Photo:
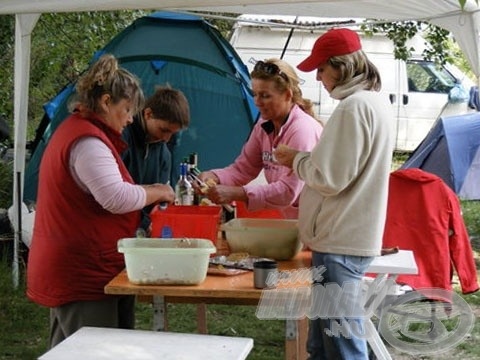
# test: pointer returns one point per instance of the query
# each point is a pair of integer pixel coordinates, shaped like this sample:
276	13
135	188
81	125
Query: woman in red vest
86	202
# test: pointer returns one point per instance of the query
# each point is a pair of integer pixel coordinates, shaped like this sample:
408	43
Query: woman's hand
157	193
284	155
204	181
208	177
224	194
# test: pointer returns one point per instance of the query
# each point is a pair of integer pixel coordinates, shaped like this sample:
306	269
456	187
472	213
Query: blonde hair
357	64
282	84
106	77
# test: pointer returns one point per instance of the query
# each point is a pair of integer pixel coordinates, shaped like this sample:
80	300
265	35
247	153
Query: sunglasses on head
270	69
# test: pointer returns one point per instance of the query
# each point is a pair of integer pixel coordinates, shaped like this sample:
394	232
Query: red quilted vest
74	246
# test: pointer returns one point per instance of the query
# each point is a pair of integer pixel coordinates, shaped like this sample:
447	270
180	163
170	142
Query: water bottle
184	191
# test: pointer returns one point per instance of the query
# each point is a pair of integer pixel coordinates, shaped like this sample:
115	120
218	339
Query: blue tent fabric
189	54
473	99
451	150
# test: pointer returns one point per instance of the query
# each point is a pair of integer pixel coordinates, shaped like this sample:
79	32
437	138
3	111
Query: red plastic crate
242	212
186	221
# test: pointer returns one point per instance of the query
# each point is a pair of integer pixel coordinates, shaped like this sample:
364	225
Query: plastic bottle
183	189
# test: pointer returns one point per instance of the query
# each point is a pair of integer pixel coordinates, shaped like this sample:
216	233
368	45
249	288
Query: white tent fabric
464	25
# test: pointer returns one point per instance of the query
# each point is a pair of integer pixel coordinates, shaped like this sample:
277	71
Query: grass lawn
24	325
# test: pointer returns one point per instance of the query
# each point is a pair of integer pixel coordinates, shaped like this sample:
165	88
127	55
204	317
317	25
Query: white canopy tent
463	24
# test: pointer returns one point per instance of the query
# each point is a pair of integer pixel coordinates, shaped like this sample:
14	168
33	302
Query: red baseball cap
334	42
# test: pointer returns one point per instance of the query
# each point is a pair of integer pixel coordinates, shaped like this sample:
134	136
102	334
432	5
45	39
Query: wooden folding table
239	290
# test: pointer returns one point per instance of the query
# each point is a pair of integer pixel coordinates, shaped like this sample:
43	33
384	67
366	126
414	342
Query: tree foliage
62	45
440	46
7	34
437	46
463	2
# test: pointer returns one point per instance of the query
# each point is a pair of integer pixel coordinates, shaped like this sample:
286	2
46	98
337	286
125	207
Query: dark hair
170	105
105	77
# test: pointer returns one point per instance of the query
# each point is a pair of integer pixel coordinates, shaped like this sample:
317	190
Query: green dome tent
188	53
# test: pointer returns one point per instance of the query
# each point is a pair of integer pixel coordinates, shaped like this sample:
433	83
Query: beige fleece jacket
343	203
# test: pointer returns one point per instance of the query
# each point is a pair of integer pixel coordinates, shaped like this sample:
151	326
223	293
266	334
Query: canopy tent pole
24	24
289	37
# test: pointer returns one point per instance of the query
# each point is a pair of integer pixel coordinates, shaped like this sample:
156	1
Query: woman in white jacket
343	205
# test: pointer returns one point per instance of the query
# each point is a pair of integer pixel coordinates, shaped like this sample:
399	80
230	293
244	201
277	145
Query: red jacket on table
74	254
424	215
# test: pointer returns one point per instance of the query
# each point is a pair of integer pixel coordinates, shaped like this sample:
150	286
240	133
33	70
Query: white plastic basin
155	261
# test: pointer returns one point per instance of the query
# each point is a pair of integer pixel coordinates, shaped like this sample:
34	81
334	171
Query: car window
425	76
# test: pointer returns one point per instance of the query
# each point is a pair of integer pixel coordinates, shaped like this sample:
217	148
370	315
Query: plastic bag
458	94
28	218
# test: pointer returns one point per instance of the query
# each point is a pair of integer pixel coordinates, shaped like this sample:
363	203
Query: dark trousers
114	312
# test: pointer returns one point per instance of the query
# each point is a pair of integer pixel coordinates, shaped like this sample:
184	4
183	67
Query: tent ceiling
392	9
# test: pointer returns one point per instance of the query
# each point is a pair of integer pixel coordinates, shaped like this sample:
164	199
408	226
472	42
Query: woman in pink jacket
285	117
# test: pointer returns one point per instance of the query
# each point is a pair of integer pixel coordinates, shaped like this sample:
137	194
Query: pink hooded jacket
301	132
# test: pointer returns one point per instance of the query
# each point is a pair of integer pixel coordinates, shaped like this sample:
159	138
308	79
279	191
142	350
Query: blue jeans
321	345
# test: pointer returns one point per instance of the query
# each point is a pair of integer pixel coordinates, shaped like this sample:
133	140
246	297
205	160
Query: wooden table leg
296	332
160	319
302	338
202	318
